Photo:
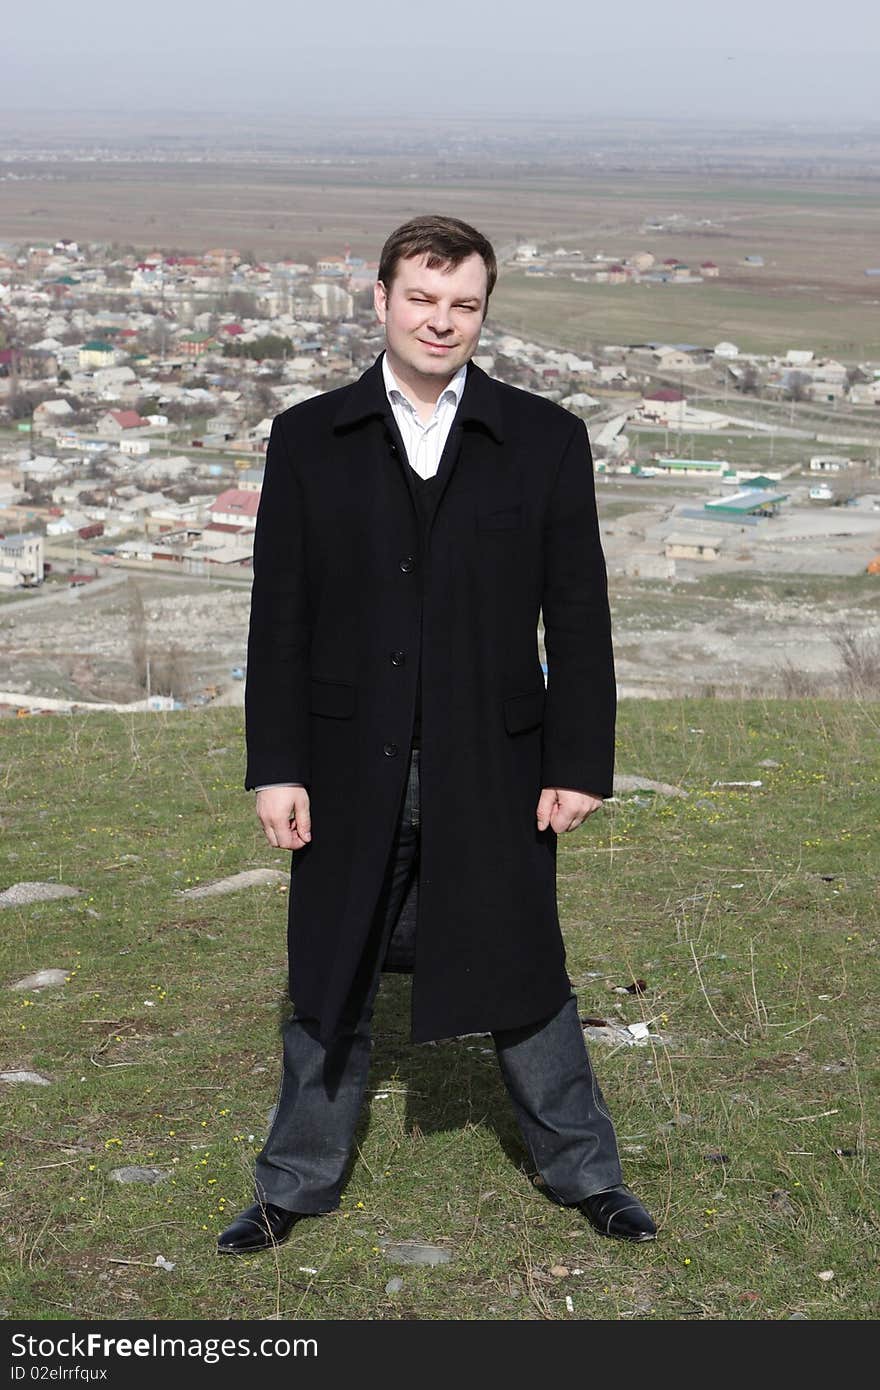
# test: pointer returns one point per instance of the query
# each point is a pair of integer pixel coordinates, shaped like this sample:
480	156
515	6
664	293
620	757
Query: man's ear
380	300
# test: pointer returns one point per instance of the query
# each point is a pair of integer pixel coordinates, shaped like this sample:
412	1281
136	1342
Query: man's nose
440	321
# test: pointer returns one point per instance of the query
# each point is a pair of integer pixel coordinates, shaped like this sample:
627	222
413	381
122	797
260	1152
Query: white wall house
21	561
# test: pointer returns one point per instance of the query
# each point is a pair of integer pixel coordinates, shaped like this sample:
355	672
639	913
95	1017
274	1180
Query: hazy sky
747	59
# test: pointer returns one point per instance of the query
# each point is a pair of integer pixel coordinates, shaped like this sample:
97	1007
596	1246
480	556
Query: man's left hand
565	810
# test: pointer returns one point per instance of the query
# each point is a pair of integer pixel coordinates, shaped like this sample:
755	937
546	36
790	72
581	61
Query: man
402	744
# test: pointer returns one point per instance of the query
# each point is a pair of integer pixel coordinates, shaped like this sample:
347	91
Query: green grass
576	315
742	451
750	914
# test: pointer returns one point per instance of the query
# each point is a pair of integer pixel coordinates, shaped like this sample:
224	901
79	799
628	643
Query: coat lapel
479	412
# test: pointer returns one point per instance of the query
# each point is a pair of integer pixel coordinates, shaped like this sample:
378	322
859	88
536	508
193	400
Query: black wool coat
344	600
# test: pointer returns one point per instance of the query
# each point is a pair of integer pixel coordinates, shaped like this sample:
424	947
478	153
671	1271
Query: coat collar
367	397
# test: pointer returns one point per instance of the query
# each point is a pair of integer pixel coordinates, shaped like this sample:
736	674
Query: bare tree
859	654
137	632
264	398
797	386
242	304
796	684
170	672
159	672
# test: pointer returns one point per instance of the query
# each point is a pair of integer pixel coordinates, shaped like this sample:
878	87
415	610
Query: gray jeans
558	1104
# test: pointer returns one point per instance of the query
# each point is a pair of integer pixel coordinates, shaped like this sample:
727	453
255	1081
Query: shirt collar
481	401
455	387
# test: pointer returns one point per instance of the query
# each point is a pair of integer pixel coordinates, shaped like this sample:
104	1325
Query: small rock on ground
41	979
623	782
394	1286
24	1078
135	1174
411	1252
613	1034
20	894
248	878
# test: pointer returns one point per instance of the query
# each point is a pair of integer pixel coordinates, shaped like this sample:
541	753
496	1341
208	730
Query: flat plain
817	235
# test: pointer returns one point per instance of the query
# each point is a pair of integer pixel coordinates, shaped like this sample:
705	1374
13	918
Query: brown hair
443	240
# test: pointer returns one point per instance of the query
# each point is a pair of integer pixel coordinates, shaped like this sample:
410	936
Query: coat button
390	750
407	564
398	658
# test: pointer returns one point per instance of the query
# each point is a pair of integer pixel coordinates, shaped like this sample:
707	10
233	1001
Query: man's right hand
284	816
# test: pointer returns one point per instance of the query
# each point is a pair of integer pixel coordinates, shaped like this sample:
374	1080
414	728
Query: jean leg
303	1160
559	1106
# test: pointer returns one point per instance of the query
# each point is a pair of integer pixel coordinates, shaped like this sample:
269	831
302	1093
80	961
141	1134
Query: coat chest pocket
333	699
504	518
523	712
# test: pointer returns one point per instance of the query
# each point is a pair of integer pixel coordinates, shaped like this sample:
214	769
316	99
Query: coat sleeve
581	703
277	688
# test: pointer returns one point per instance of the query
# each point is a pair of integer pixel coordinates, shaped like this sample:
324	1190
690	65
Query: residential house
865	393
99	354
115	423
829	463
250	480
50	414
676	467
224	260
197	344
682	546
40	471
109	381
68	523
334	301
669	359
21	561
656	405
235	507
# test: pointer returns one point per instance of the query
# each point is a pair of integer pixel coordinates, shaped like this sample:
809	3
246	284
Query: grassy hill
750	913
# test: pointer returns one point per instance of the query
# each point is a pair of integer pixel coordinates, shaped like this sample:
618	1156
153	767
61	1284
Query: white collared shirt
424	443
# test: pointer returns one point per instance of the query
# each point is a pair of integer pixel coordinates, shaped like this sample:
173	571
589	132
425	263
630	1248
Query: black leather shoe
257	1228
618	1212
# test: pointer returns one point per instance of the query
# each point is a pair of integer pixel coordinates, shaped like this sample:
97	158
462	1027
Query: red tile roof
128	419
666	394
235	500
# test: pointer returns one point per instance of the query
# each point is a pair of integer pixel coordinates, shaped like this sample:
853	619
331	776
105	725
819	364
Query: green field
750	1131
756	450
579	316
817	235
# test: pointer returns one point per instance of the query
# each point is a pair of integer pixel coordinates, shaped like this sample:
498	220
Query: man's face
433	318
